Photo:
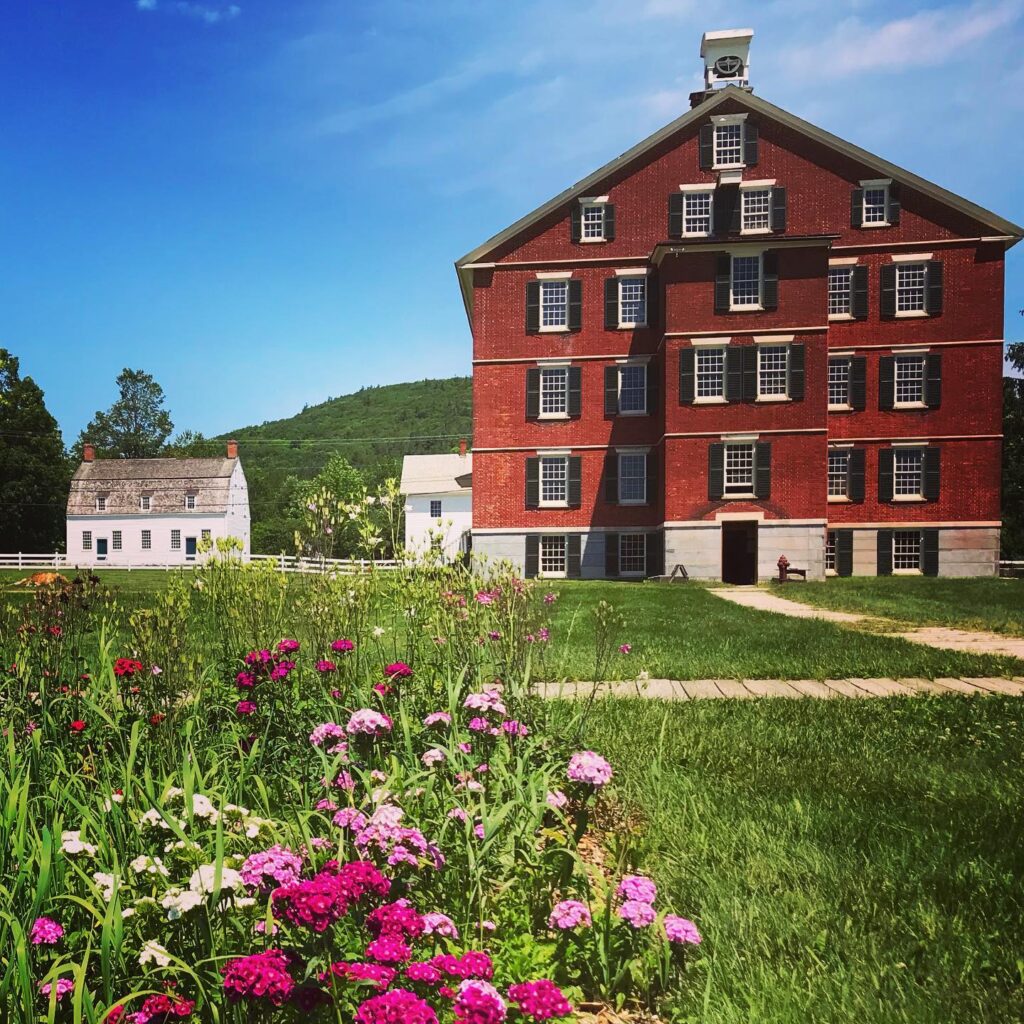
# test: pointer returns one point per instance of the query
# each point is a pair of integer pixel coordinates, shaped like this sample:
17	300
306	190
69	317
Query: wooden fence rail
285	563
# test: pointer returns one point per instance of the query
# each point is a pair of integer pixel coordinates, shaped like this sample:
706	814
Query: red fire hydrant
783	564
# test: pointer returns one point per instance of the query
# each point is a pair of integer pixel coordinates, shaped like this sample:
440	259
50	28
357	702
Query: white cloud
202	12
146	5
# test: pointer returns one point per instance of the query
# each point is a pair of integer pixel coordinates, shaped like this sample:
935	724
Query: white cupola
726	55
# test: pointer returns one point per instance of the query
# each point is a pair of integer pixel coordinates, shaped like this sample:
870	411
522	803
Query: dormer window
593	220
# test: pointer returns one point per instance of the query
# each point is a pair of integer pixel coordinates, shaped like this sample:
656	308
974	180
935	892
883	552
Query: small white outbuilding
439	502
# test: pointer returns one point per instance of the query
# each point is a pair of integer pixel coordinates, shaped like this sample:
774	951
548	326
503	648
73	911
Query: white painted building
141	512
439	501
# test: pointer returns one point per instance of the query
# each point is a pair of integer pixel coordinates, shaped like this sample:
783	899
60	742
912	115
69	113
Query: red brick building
742	338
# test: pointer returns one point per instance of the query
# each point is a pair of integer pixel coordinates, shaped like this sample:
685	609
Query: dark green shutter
574	489
611	391
859	293
933	287
611	554
887	292
651	481
611	478
748	353
858	382
575	396
894	203
707	147
611	303
886	457
573	555
932	463
844	552
687	375
716	471
532	307
930	552
855	475
652	389
575	305
857	208
532	394
532	482
609	222
655	553
723	275
887	382
734	374
778	209
770	282
726	214
576	222
532	556
933	380
675	215
763	469
796	372
750	148
884	549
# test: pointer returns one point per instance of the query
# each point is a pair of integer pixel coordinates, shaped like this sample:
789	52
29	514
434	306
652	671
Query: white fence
286	563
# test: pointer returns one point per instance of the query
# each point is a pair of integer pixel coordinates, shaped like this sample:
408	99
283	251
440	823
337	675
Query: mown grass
686	632
848	861
138	581
980	603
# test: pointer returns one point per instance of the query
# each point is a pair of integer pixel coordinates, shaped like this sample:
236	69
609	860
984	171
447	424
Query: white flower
203	878
114	798
153	952
106	884
181	844
433	756
378	631
177	902
72	843
202	807
370	499
144	864
154	819
408	508
254	825
174	793
127	912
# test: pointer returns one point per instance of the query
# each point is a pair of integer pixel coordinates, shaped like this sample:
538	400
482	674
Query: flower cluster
541	1000
368	722
589	768
46	932
276	866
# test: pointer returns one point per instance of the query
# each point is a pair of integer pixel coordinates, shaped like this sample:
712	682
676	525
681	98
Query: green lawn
141	581
979	603
685	632
846	861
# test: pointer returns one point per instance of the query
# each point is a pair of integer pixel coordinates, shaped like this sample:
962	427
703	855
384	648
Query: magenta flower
288	646
678	929
540	1000
513	728
569	914
437	718
368	722
550	598
588	767
637	887
484	597
397	670
423	972
46	932
478	725
376	974
478	1002
399	1006
436	923
625	648
323	665
271	868
245	707
637	913
63	985
259	976
343	646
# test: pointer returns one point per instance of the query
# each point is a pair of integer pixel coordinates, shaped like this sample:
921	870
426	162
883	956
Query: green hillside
372	428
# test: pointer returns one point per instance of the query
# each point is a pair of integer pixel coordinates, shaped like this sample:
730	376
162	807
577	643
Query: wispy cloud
207	13
146	5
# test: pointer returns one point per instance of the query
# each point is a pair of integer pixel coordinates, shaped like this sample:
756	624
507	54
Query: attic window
593	220
190	502
101	503
728	141
145	503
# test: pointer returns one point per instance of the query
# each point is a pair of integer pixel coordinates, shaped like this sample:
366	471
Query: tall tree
135	426
34	472
1013	457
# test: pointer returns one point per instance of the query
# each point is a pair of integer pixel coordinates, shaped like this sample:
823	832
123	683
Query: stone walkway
931	636
711	689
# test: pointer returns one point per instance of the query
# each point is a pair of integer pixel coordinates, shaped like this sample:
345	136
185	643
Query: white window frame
719	350
627	538
115	540
562	281
549	374
146	503
753	188
632	278
735	446
101	503
175	540
746	308
561	539
599	203
919	453
551	460
87	540
896	537
846	271
621	456
763	396
190	502
623	367
846	362
694	192
722	121
840	455
205	535
146	540
871	185
903	359
437	502
903	267
831	560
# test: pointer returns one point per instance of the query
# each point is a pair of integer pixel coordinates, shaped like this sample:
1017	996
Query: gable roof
1002	227
436	474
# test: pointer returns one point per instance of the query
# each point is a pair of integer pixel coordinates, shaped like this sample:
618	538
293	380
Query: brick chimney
462	448
88	453
232	449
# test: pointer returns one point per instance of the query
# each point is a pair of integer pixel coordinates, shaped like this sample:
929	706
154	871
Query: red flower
156	718
77	725
127	667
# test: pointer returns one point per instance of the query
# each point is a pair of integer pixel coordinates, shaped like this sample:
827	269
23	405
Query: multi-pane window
756	209
739	469
633	389
839	382
907	472
728	144
115	540
147	540
838	474
87	540
906	550
909	380
554	392
632	478
830	551
746	282
592	222
145	503
552	556
876	203
101	504
710	372
772	370
840	280
697	213
632	301
205	534
554	480
435	508
632	554
554	304
175	540
910	280
190	502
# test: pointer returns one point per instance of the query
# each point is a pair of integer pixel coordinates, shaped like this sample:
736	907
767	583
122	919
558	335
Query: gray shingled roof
436	474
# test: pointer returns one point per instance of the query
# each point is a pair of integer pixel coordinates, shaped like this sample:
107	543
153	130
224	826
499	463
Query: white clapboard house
137	512
438	493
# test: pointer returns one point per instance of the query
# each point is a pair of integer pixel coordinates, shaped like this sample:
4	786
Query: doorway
101	549
190	549
739	552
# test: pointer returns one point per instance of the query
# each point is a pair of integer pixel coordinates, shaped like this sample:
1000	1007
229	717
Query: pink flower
514	728
397	670
343	646
46	932
478	725
488	700
399	1006
550	598
478	1002
423	972
588	767
625	648
458	814
540	1000
436	923
483	597
433	756
437	718
377	974
326	731
569	914
556	799
288	646
637	913
368	722
63	985
245	707
350	818
637	887
270	868
466	748
678	929
389	949
472	964
478	831
259	976
325	666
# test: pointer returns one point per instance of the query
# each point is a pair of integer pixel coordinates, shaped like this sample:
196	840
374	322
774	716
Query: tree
135	426
191	444
1013	457
34	472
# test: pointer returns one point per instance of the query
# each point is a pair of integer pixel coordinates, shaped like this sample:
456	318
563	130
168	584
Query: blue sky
259	201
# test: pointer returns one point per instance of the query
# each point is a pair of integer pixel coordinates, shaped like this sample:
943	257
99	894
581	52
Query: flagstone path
974	642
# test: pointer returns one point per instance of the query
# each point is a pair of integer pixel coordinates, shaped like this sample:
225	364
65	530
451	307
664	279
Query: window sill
755	231
739	497
845	407
553	416
589	241
551	575
747	309
877	224
632	501
773	398
838	499
840	317
695	234
831	572
911	314
729	167
904	499
553	330
711	400
907	572
909	405
632	412
630	327
553	504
